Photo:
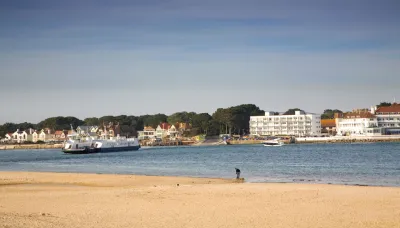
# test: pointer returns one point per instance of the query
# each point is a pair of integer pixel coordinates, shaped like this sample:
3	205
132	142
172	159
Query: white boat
77	144
273	142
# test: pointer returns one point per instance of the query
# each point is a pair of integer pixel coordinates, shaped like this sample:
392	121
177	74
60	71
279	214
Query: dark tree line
232	120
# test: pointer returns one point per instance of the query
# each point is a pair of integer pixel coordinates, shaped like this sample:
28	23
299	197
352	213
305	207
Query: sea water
353	163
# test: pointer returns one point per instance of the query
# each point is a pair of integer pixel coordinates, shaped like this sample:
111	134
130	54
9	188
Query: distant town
243	122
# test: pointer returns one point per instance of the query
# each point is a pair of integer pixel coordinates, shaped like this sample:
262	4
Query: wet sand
29	199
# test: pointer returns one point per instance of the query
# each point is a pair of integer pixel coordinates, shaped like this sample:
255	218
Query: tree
236	119
154	120
25	126
92	121
106	120
201	121
181	117
292	111
384	104
60	123
223	116
7	128
330	114
213	128
241	117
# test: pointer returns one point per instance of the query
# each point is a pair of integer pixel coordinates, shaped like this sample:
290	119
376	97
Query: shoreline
322	140
95	179
183	178
108	200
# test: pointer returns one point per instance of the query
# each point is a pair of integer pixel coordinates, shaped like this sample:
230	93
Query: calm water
363	164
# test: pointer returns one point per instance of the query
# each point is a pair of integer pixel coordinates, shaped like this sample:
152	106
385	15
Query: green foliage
106	120
154	120
92	121
384	104
12	127
181	117
236	119
213	128
291	111
201	122
330	114
232	120
60	123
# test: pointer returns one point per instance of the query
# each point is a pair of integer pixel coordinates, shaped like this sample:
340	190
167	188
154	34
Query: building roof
85	128
328	123
58	132
19	132
165	126
385	109
148	128
352	115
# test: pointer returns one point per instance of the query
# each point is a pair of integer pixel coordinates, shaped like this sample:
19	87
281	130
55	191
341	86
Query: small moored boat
272	142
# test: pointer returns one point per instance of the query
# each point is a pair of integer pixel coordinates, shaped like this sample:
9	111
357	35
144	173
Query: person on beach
237	173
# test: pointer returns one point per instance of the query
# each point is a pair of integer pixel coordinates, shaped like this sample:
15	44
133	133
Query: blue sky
95	58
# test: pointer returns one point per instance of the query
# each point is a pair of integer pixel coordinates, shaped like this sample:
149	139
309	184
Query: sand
30	199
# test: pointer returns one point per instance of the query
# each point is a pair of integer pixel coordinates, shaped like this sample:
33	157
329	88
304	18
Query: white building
299	124
173	132
379	121
356	123
45	135
147	133
388	118
162	130
35	137
19	136
8	137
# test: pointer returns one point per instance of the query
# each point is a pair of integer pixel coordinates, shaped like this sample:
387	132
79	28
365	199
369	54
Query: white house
8	137
162	130
19	136
59	135
299	124
172	132
34	137
147	133
45	136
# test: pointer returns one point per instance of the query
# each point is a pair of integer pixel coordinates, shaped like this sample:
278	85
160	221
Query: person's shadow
239	180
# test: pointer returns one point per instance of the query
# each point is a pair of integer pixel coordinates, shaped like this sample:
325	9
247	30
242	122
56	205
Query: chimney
373	109
338	115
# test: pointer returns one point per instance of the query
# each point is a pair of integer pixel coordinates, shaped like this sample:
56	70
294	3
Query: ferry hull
100	150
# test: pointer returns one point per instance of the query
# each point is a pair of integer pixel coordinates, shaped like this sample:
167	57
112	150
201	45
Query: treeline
232	120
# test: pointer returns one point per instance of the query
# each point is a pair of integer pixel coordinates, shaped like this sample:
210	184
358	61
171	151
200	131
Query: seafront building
299	124
147	133
378	121
356	123
328	126
163	130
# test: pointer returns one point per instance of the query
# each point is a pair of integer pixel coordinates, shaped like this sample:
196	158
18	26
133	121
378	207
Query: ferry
85	145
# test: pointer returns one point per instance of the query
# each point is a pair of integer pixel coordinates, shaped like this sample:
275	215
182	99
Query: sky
97	57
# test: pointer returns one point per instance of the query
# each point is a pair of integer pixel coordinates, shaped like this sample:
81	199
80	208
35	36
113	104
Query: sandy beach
29	199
